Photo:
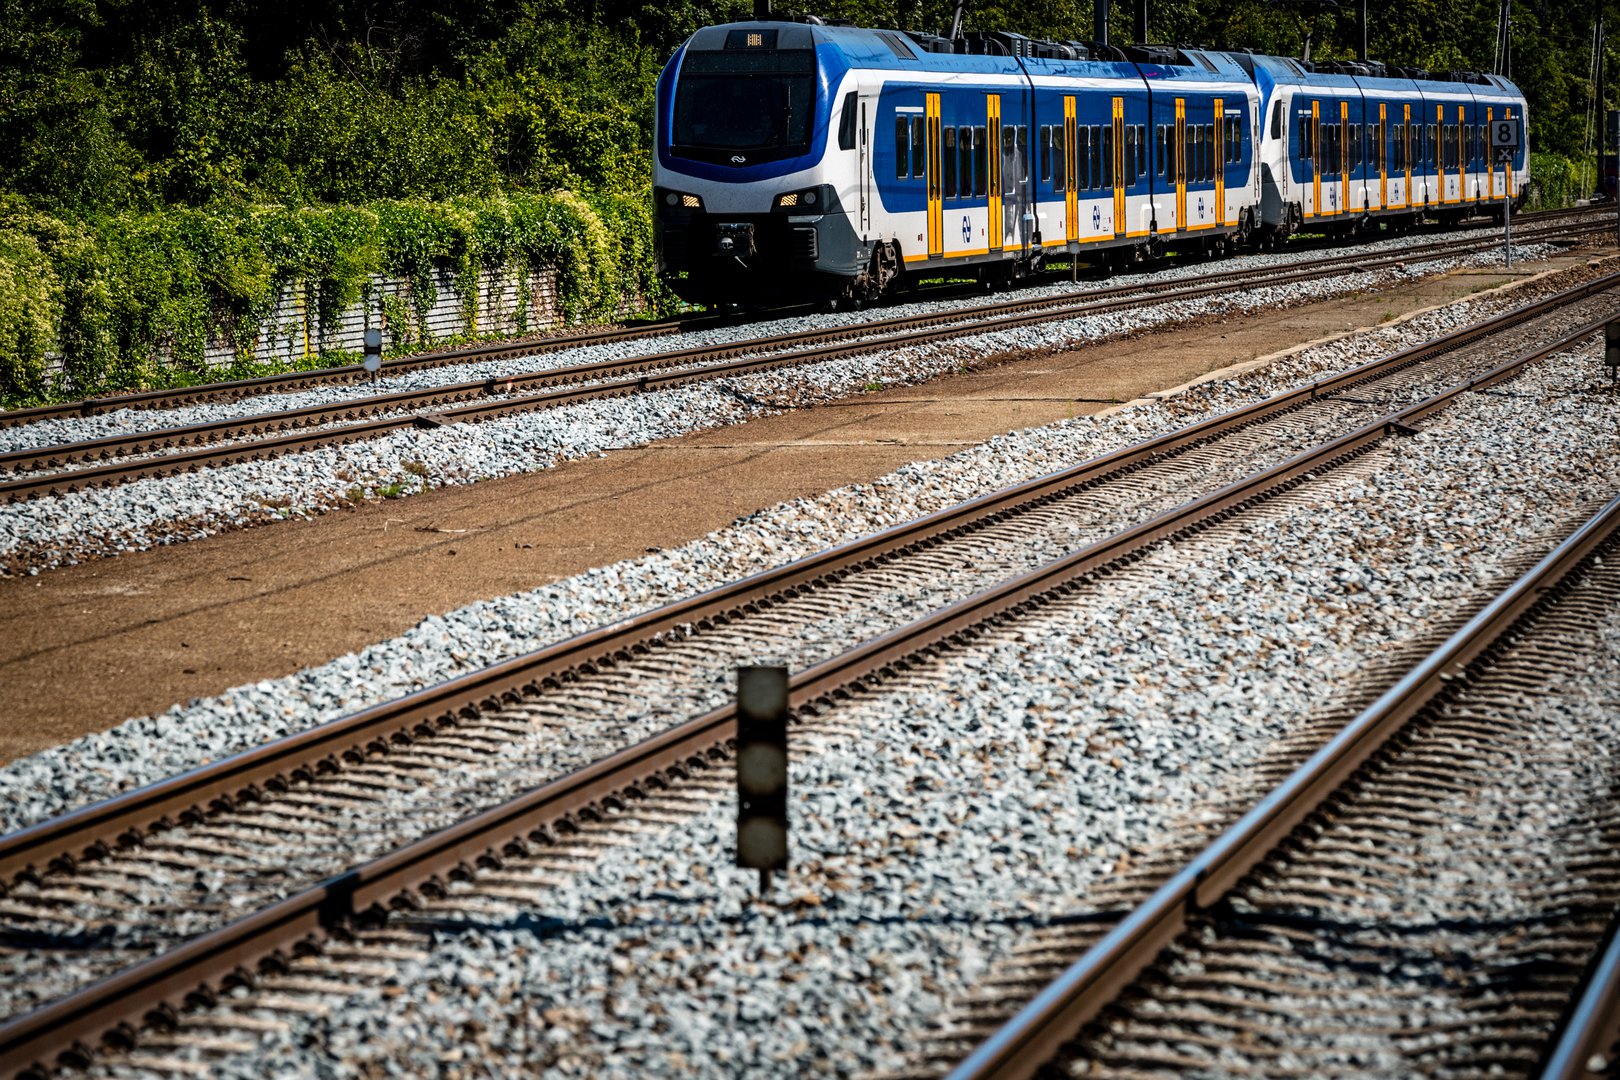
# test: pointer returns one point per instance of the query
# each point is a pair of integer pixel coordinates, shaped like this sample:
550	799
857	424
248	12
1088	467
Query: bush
1557	181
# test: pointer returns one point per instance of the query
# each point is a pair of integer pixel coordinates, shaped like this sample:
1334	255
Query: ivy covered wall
146	300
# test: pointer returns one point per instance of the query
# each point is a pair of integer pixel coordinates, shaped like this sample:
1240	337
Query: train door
994	231
1344	157
936	178
1071	173
1490	158
1438	153
864	156
1118	167
1458	159
1383	155
1220	162
1316	152
1181	163
1406	133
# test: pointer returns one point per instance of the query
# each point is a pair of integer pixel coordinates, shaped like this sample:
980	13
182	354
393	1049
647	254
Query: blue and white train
797	161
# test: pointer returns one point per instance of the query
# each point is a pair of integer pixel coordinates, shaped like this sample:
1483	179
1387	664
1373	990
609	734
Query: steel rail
162	984
348	373
217	786
1027	1042
439	405
1588	1046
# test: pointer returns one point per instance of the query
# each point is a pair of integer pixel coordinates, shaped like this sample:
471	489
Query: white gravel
54	531
147	749
1073	739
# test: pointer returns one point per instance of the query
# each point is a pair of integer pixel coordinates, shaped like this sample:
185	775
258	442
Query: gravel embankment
147	749
59	530
1074	738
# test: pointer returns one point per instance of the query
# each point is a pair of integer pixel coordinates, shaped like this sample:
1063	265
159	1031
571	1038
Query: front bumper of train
719	258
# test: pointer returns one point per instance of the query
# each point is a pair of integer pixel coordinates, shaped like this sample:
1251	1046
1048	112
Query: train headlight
808	199
680	200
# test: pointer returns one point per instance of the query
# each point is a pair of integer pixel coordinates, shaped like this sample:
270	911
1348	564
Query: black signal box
762	769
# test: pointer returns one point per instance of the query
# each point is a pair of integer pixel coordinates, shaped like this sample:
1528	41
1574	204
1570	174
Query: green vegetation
170	167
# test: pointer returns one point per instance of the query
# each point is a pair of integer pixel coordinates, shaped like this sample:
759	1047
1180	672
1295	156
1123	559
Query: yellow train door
935	182
1181	163
1220	162
1071	173
1344	157
1316	156
1383	155
996	228
1118	166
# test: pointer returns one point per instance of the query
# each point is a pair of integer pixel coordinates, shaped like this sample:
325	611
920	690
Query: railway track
1420	895
62	468
305	786
355	373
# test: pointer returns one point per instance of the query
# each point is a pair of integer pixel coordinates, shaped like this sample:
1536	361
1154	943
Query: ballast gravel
981	794
147	749
58	530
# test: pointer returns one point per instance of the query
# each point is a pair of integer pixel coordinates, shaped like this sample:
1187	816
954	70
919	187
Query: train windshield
756	105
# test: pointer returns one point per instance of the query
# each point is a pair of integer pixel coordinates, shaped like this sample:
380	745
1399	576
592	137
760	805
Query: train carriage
800	161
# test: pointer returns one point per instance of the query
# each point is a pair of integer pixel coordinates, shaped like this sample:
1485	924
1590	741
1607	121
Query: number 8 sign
1505	134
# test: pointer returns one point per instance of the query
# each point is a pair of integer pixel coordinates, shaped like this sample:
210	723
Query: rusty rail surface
162	985
349	373
1027	1042
484	399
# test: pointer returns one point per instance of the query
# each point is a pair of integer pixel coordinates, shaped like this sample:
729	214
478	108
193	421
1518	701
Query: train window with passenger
919	147
981	159
948	157
902	147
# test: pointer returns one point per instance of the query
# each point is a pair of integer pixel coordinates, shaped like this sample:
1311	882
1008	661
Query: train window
1209	152
964	162
1276	121
1082	159
919	148
981	158
1061	180
1023	154
1130	152
1305	150
948	158
902	147
1195	154
1429	139
1160	137
1102	157
1043	146
1144	161
1009	160
846	123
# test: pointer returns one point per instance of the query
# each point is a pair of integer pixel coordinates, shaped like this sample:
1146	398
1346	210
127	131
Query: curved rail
162	985
1028	1041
